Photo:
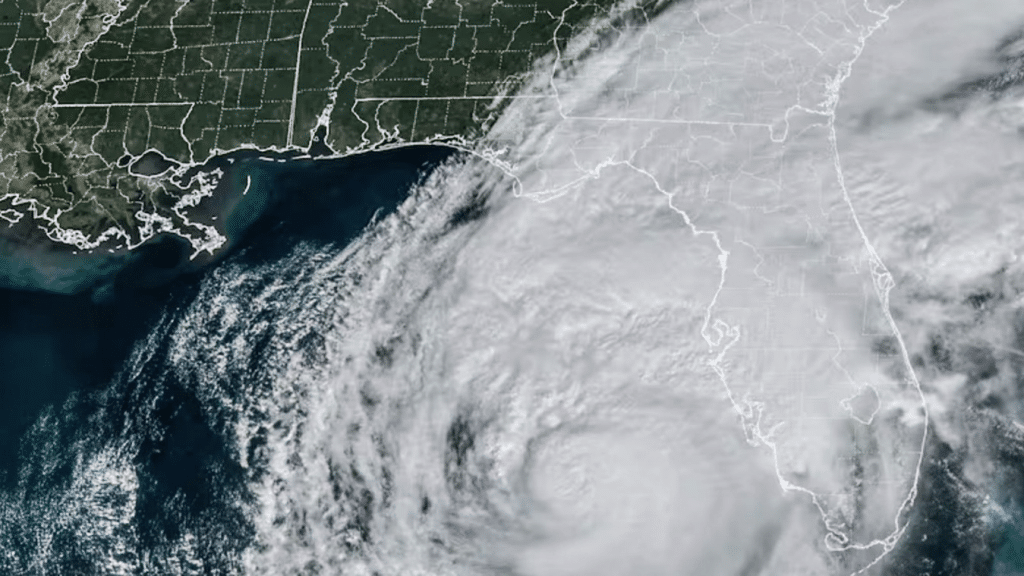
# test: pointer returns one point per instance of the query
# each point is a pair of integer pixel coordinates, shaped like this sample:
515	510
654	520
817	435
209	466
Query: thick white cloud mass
652	336
929	136
565	387
511	398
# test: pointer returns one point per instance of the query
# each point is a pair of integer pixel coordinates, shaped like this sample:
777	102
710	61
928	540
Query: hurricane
636	333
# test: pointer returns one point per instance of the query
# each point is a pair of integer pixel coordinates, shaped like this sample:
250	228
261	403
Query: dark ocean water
61	355
95	382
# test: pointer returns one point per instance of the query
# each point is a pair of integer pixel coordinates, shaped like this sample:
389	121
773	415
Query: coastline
250	185
69	321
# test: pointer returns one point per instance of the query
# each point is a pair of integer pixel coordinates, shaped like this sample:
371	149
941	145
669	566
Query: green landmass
90	86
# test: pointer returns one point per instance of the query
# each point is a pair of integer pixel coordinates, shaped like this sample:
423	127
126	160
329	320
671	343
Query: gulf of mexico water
103	471
474	384
481	385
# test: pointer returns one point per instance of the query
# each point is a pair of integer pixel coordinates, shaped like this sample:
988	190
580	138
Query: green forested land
88	91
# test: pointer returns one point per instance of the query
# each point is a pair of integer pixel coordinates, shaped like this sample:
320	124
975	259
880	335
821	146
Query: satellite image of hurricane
512	287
